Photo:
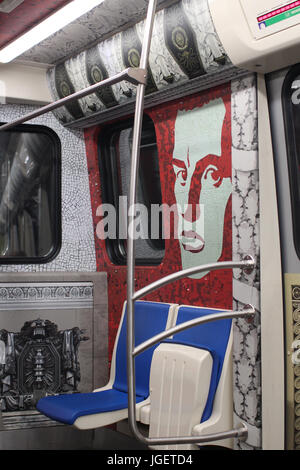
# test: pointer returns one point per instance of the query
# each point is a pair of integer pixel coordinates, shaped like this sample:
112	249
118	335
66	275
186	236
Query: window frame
57	199
116	249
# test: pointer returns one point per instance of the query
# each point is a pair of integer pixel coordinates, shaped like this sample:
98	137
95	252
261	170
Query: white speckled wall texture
78	250
245	233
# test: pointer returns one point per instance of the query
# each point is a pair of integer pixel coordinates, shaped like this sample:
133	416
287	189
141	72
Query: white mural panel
246	287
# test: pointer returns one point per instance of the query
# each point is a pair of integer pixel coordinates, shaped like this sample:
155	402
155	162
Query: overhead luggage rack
138	77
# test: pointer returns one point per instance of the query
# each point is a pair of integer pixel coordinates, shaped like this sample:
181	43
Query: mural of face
201	189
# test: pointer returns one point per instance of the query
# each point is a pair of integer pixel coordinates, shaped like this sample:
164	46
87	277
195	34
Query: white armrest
179	385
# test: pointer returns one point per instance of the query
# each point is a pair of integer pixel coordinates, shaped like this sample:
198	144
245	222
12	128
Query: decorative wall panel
245	231
292	361
184	46
51	296
53	339
214	289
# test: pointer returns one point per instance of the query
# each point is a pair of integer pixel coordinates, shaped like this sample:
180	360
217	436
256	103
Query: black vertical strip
181	42
131	52
96	72
64	87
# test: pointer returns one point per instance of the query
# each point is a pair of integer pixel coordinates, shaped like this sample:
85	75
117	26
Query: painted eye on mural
213	175
180	171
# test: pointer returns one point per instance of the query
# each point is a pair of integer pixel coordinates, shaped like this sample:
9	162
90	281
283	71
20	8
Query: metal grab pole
137	129
131	352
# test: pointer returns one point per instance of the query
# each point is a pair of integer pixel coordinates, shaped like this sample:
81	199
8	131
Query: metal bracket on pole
137	76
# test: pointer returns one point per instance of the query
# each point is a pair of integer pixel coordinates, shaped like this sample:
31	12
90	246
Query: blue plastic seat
150	319
213	337
67	408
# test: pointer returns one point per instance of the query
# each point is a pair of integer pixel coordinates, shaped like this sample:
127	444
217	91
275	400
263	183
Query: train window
291	109
114	162
30	227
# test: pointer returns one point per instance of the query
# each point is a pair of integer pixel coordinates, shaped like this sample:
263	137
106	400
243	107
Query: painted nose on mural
192	211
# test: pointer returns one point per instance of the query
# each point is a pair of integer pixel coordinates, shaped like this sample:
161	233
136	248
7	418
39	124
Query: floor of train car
108	439
62	439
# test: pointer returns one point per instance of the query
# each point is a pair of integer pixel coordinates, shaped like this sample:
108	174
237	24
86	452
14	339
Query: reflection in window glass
115	162
291	107
29	195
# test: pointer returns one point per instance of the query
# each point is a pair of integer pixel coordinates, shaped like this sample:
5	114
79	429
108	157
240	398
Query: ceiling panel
100	23
25	16
8	5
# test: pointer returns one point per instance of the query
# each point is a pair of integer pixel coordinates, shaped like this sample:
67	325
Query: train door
283	93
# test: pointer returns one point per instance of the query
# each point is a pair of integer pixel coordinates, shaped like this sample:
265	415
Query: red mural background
213	290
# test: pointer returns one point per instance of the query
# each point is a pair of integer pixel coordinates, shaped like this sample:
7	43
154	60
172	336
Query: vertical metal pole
137	129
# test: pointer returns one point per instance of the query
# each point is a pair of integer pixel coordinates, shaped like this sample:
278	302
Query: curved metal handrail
248	311
240	432
247	264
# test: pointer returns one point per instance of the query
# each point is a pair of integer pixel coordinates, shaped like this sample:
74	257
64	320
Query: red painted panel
213	290
25	16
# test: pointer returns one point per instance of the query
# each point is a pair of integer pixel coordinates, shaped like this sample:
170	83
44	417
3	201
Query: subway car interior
150	258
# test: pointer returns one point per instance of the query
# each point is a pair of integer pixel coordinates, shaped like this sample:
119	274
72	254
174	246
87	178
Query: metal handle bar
247	264
133	75
240	432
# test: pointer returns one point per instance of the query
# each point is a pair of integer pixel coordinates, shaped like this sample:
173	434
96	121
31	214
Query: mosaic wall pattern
78	249
184	45
245	228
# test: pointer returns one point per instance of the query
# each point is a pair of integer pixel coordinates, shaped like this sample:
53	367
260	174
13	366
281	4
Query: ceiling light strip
46	28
